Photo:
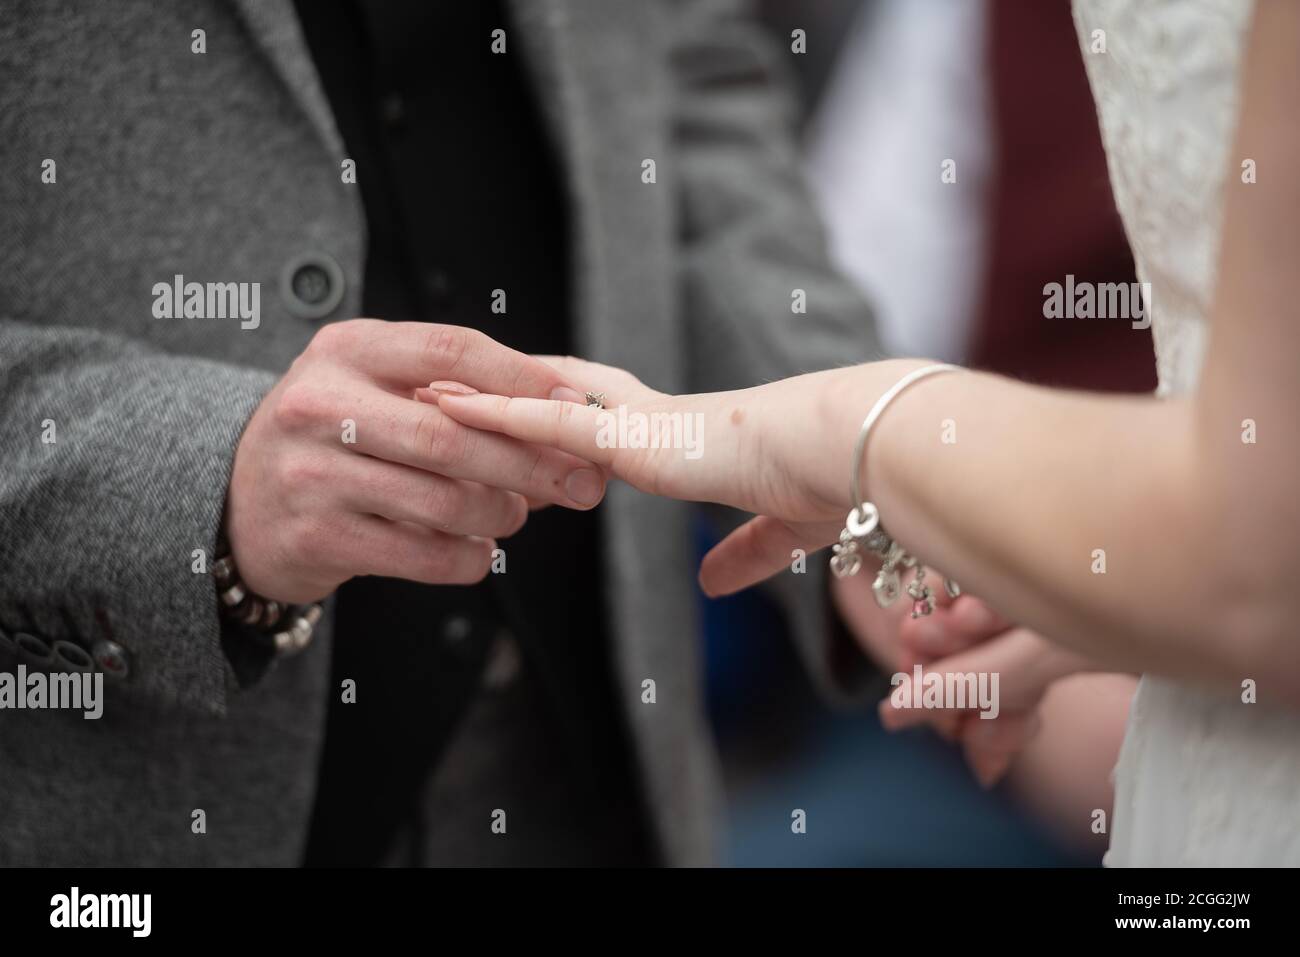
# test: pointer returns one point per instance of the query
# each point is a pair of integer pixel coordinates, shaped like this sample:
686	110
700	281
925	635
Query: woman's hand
967	636
963	635
780	450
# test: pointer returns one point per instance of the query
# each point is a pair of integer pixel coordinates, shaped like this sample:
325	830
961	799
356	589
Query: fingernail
456	388
584	486
562	393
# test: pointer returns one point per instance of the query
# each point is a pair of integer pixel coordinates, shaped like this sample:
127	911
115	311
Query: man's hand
341	473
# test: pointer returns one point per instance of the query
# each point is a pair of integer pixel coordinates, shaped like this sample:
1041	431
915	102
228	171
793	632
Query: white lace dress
1201	780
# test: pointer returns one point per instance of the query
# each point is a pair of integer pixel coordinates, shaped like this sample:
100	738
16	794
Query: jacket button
70	657
33	652
312	285
112	658
456	629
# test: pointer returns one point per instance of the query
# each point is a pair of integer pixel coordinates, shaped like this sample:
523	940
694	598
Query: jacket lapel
601	69
274	27
604	94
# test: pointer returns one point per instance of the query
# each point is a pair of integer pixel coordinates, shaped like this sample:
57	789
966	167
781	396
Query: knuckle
296	472
436	566
300	406
564	414
531	473
465	443
440	566
442	500
334	339
438	439
464	562
445	346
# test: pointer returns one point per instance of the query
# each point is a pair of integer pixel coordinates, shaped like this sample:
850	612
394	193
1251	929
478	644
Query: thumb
757	550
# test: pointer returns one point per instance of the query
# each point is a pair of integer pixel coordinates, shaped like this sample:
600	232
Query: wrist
283	629
846	400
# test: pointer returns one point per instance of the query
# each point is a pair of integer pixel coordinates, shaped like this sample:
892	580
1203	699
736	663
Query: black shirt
463	197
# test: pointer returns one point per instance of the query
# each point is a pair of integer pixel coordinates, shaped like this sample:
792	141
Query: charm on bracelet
862	533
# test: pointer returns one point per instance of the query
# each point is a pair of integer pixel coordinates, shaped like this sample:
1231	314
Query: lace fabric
1201	780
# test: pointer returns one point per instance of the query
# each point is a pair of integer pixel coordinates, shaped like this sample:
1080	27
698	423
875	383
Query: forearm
1096	520
1200	526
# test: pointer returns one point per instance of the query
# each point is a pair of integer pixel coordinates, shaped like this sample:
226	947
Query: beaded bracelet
285	629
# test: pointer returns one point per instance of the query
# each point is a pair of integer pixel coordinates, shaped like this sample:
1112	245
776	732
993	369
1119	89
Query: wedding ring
596	399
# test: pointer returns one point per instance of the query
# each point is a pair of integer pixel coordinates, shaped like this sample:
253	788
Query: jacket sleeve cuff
104	525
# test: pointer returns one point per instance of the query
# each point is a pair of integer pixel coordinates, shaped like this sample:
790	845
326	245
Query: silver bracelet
864	532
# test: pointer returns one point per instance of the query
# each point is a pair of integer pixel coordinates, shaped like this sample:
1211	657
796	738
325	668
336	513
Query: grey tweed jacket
225	166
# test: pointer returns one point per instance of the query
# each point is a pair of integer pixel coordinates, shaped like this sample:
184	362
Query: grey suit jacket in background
225	166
